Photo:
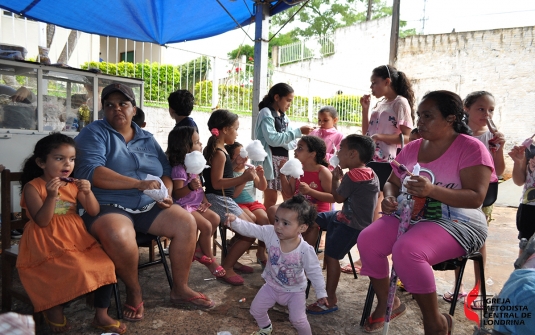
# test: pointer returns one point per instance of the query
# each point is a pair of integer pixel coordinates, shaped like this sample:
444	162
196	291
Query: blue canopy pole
261	45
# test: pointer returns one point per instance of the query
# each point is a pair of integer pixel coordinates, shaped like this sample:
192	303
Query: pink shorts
252	206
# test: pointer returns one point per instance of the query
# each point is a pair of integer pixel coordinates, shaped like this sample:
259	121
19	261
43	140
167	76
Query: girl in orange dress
58	259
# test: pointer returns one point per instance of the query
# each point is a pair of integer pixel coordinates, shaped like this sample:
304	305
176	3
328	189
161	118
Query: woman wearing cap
116	156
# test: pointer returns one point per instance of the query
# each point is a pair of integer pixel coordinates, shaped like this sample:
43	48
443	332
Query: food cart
62	99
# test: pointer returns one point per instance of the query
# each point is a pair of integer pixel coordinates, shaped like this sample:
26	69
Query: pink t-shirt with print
387	118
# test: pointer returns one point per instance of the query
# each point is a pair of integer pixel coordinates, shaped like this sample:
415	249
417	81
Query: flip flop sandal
113	328
190	302
219	272
205	260
244	269
324	309
262	263
448	296
395	314
451	323
477	305
63	327
348	269
135	310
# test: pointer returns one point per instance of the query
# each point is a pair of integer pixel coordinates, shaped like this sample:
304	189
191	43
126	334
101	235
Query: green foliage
160	80
244	49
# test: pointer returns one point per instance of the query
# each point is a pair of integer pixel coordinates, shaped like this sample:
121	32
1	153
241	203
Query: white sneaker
264	331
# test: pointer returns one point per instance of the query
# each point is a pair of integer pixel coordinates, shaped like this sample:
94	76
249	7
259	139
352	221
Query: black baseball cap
118	87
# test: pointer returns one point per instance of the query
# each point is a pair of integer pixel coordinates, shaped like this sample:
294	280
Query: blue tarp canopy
156	21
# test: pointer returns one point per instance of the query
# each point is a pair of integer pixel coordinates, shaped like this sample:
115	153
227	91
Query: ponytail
449	103
400	83
280	89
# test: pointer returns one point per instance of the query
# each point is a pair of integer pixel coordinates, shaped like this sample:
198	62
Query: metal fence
316	47
215	82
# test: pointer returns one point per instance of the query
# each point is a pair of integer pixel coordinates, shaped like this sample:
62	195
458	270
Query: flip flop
190	302
477	305
448	296
219	272
451	323
348	269
205	260
235	280
62	327
262	263
244	269
324	309
133	309
113	328
395	314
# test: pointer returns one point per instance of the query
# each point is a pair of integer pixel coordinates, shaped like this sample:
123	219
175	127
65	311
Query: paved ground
231	315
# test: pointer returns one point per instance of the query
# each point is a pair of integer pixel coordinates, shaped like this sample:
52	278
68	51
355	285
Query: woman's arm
108	179
218	166
474	183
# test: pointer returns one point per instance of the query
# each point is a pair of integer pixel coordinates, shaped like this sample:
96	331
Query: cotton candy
256	151
292	168
195	162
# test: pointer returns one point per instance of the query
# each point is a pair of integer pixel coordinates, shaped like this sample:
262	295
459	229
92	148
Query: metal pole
260	57
394	34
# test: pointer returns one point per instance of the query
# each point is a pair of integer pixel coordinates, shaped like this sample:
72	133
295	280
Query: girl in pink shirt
327	119
392	115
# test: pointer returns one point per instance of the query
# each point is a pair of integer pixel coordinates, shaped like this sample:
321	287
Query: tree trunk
50	30
69	47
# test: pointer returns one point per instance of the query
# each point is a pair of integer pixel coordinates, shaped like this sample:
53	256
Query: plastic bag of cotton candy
334	161
156	194
292	168
195	162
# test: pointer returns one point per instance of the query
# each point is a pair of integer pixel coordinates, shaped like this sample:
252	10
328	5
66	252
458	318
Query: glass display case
37	99
47	98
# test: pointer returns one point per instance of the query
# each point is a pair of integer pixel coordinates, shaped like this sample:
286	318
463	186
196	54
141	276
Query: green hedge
160	80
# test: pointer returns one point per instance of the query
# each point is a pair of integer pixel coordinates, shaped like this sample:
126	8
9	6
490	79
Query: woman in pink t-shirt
452	224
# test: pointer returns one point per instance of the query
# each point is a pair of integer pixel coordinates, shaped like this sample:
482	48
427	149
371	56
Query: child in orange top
58	259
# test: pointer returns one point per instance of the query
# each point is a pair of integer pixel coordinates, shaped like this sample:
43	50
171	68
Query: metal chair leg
117	301
164	262
457	287
352	265
367	305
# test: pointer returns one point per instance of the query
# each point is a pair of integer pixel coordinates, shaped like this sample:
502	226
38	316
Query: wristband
190	188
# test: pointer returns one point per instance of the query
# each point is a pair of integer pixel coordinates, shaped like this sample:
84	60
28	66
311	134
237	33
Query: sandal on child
205	260
113	328
60	327
448	296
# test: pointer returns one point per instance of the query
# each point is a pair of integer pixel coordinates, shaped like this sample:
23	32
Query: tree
248	50
322	17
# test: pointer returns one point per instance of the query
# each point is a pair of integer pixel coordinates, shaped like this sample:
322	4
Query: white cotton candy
195	162
334	161
156	194
243	153
292	168
256	151
528	142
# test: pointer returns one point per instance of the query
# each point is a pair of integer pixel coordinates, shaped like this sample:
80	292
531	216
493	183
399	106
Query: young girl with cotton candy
184	145
220	185
315	184
327	119
244	194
